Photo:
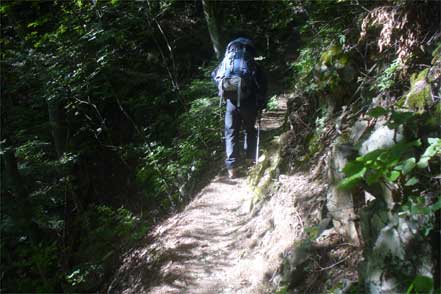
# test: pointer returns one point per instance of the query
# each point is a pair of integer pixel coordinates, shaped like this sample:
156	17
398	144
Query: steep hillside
366	117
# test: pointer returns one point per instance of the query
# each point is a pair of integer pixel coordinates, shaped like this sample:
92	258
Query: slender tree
56	118
12	174
212	14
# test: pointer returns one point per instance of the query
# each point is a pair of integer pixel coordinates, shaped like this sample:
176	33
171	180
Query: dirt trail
218	243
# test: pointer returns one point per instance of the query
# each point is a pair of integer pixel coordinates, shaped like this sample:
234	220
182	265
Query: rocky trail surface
220	243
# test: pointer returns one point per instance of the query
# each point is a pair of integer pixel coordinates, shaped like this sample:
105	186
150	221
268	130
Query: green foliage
377	112
380	165
421	284
389	164
398	164
105	232
94	109
395	119
334	69
272	103
79	276
282	290
313	232
386	79
41	260
416	205
325	69
304	67
191	152
433	150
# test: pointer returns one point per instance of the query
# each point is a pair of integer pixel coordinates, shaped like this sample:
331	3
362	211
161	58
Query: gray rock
382	137
358	130
340	202
395	250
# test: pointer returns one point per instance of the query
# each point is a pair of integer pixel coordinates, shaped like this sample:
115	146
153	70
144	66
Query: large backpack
235	76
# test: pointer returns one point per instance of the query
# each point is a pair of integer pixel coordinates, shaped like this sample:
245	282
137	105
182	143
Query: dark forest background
109	119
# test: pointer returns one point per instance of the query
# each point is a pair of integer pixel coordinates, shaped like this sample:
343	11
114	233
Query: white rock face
382	137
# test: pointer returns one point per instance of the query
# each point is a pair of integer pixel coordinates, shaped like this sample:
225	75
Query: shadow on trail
192	248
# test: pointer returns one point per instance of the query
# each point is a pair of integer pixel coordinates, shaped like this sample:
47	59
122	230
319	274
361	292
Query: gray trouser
235	118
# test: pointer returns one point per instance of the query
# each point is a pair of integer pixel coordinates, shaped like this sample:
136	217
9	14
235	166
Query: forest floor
221	242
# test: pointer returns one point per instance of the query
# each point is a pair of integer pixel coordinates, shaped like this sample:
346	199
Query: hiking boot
232	173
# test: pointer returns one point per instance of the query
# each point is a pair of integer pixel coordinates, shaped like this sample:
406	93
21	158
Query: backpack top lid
241	42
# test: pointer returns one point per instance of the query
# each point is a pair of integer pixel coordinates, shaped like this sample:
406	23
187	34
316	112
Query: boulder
340	202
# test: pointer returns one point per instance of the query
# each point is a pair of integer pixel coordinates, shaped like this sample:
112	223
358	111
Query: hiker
242	85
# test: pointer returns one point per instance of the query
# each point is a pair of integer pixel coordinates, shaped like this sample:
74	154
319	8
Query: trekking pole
258	137
221	118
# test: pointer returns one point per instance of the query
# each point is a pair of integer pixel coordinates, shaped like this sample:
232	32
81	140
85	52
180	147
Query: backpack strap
244	48
231	60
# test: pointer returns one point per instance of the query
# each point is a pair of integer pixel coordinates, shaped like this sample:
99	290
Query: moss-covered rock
261	177
314	145
419	96
335	74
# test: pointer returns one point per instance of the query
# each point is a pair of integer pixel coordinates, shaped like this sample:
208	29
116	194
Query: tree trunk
56	119
212	16
13	177
20	193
